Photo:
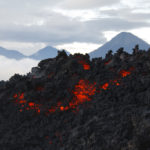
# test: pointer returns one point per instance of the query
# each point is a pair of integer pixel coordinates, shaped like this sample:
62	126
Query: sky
76	25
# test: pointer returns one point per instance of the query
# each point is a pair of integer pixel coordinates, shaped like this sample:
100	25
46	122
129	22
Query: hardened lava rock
74	103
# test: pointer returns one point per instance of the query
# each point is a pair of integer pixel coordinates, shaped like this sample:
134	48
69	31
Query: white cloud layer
34	24
78	25
86	4
79	47
9	67
27	48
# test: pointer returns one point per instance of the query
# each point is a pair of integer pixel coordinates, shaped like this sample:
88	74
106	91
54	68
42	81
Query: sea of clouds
8	67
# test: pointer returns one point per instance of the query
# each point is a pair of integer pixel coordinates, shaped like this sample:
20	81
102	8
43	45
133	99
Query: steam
9	67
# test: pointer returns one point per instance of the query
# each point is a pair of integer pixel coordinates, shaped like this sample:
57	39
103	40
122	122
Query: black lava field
74	103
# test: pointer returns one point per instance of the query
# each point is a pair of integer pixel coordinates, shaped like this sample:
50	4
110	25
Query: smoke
9	67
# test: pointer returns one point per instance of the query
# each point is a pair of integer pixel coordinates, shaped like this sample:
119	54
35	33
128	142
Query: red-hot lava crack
93	104
24	105
85	65
83	92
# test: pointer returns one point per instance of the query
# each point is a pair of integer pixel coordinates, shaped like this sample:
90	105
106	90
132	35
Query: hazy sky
78	25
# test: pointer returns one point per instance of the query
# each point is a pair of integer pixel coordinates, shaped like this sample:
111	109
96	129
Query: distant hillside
125	40
12	54
47	52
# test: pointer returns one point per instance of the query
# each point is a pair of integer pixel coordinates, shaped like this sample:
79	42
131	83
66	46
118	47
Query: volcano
74	103
47	52
125	40
11	54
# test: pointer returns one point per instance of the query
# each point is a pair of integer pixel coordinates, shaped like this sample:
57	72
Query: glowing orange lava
52	110
105	86
116	82
83	92
85	65
21	96
124	73
62	108
30	105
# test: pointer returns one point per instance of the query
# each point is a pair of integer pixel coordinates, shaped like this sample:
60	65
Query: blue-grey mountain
11	54
125	40
47	52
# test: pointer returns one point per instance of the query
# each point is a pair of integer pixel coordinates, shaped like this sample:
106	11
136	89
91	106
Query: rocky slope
72	103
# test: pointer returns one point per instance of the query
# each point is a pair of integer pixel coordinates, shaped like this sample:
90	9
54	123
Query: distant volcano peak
126	40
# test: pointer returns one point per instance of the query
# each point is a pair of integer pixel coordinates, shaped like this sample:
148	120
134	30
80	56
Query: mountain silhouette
11	54
124	39
47	52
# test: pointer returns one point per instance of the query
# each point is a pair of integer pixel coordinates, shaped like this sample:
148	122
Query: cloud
87	4
57	29
79	47
127	14
27	48
35	22
137	4
115	24
9	67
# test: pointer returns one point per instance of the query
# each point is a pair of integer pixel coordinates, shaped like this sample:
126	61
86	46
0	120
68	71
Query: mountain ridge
126	40
46	52
11	54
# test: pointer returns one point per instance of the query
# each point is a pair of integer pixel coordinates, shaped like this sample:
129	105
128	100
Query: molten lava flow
22	101
116	82
62	108
85	65
15	96
31	104
124	73
28	106
105	86
82	92
20	98
52	110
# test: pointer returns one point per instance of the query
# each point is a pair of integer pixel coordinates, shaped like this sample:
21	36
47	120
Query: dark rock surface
72	103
